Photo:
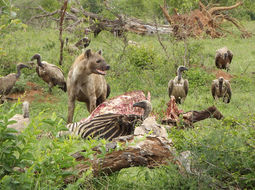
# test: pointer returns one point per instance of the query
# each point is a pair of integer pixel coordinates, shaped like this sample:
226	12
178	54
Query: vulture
221	89
223	58
109	125
50	73
81	44
7	82
22	120
178	87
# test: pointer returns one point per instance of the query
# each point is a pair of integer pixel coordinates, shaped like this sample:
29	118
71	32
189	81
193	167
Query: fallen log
150	151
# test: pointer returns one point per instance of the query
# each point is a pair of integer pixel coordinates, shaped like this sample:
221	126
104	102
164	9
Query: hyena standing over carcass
86	82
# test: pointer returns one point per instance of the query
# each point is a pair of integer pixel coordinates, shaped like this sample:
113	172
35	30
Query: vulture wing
217	58
186	86
7	83
230	56
54	72
213	89
170	87
228	90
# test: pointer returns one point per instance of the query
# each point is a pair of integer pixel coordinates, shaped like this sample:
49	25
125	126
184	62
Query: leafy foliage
198	78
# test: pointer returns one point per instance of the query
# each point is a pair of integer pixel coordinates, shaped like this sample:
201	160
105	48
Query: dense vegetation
223	150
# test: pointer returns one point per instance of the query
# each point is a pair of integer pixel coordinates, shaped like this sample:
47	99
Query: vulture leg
178	100
213	91
50	87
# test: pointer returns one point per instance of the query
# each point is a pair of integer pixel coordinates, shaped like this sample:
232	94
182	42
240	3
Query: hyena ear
100	52
88	53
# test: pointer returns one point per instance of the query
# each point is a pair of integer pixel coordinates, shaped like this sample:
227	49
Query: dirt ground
225	75
35	93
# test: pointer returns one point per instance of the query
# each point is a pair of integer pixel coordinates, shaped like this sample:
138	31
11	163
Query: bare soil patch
35	93
225	75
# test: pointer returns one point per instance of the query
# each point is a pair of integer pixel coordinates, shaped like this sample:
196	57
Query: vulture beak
139	104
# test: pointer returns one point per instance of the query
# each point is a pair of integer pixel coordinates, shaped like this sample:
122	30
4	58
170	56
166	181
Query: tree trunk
62	16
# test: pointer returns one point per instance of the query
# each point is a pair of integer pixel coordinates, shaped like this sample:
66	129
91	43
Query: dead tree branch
206	20
137	151
62	16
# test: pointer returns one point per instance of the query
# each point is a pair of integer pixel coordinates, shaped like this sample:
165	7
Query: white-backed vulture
221	89
223	58
178	87
50	73
81	44
7	82
22	120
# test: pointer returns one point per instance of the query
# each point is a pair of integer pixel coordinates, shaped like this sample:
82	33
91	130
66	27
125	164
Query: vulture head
221	79
21	66
180	70
38	58
146	105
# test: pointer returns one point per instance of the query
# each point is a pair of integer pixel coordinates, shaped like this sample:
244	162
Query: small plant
141	57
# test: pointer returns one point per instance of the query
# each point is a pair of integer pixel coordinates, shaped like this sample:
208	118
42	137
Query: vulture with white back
223	58
221	88
50	73
178	87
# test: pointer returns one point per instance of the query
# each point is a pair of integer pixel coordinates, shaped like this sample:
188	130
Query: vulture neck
39	62
179	75
220	86
147	111
18	72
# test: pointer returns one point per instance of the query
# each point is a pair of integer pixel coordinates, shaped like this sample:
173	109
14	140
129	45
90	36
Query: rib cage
107	126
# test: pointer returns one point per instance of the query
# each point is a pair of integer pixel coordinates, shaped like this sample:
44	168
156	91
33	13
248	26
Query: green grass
208	140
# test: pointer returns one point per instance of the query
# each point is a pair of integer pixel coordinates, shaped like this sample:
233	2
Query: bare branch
62	16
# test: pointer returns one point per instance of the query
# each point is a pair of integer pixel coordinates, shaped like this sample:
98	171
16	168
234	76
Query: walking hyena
86	82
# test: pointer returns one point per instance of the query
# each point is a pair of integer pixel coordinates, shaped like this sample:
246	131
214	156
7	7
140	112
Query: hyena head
95	62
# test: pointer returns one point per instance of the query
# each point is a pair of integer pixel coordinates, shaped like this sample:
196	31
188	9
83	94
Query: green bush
198	78
141	57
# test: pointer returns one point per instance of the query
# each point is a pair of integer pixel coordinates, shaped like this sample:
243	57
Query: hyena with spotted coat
86	82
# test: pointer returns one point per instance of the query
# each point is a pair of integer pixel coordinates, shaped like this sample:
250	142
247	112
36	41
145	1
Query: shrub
141	57
198	78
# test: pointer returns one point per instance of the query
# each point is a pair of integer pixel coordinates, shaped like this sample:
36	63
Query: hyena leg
71	106
92	103
100	100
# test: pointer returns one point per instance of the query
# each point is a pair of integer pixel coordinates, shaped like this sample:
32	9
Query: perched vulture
7	82
178	87
50	73
223	58
221	89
